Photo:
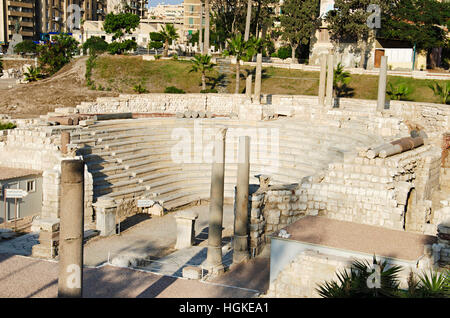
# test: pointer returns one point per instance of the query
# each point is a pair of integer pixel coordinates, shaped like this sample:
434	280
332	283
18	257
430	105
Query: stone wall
368	191
36	148
398	120
301	277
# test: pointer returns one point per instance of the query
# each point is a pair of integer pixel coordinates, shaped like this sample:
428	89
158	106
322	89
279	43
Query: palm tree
441	90
202	63
341	80
241	50
354	283
169	34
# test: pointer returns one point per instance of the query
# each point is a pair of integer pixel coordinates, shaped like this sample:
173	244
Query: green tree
95	44
299	19
202	63
26	46
169	34
156	40
54	55
119	25
419	22
347	23
241	50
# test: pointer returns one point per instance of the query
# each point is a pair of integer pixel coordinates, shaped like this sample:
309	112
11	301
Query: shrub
54	55
209	90
155	45
175	57
156	36
33	74
26	46
95	45
122	47
4	126
173	90
90	64
274	54
341	80
140	89
284	52
399	92
157	56
443	91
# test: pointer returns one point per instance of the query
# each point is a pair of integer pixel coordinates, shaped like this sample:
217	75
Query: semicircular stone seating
169	159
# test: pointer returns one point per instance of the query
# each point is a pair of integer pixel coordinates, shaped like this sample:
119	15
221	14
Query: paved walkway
20	245
25	277
154	237
150	240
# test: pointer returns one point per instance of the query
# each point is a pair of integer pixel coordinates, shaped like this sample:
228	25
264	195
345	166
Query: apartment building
20	13
38	17
167	13
134	6
192	12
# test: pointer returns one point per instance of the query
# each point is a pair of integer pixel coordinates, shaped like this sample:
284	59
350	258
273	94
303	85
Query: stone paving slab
20	245
26	277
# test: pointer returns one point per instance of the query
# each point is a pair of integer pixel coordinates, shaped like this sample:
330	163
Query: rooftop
358	237
7	173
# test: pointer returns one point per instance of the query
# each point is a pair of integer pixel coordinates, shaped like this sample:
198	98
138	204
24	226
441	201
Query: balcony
21	4
20	14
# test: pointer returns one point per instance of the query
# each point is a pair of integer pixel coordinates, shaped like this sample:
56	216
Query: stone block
192	272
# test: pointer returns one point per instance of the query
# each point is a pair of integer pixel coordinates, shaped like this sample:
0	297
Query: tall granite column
214	257
241	215
382	82
206	40
248	86
70	279
257	97
323	78
330	77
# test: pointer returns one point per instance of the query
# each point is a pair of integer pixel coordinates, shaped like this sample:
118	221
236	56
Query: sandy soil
67	88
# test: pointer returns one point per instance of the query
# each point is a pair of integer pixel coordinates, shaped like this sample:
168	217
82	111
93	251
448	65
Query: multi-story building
38	17
168	13
192	13
54	15
20	13
134	6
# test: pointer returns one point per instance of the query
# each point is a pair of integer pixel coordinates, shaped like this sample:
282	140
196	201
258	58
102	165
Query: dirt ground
67	88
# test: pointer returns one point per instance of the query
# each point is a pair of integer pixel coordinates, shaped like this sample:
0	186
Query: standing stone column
323	78
248	19
382	82
206	41
214	258
200	35
248	86
241	216
330	77
70	279
257	96
65	140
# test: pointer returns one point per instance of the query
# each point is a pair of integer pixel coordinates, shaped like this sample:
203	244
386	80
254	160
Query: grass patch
122	73
4	126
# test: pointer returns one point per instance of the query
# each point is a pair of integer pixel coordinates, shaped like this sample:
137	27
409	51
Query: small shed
19	204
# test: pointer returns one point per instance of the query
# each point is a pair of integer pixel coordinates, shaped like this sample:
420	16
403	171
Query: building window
191	21
31	185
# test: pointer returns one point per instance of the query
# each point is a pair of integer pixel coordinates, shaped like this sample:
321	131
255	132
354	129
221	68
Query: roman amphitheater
307	161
